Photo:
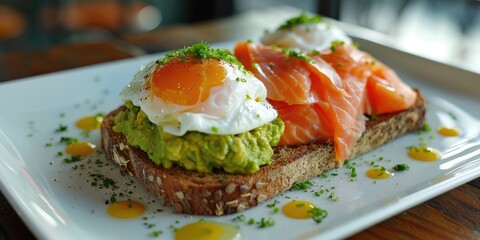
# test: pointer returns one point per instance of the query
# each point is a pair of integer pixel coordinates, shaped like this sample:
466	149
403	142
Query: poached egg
200	89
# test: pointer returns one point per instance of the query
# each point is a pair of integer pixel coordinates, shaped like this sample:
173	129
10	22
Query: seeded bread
221	193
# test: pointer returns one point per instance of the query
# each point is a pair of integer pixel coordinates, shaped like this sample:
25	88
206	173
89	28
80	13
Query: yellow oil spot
449	131
424	153
126	209
207	230
81	149
89	123
298	209
378	173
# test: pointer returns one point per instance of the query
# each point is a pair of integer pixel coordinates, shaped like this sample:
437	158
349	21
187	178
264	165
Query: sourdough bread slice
222	193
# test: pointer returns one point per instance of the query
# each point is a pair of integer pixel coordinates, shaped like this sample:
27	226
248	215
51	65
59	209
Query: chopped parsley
426	127
372	117
272	205
156	233
68	140
276	210
401	167
335	44
298	20
61	128
200	51
333	197
302	186
214	129
268	222
318	214
296	54
354	173
240	218
73	158
240	79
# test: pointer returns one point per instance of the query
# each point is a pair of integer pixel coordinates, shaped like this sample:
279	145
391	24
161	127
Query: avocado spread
240	153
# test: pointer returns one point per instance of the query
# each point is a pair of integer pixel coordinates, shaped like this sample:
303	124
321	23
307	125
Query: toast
222	193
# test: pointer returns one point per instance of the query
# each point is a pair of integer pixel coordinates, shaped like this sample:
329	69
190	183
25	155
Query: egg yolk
81	149
207	231
424	153
448	131
89	123
187	82
298	209
378	173
126	209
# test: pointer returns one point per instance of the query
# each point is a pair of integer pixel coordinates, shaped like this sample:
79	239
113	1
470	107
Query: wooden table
452	215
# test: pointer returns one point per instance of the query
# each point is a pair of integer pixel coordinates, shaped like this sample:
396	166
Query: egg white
237	106
307	37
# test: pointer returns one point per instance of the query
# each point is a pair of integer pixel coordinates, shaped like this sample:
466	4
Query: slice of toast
222	193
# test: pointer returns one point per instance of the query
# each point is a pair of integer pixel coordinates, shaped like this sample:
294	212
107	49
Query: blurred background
447	30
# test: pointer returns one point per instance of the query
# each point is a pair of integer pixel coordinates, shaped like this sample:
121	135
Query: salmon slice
385	92
287	78
303	122
347	111
314	101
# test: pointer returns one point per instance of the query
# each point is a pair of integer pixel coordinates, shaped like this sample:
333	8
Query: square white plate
57	200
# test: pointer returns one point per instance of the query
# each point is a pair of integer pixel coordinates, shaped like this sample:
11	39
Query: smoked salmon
315	101
385	91
323	96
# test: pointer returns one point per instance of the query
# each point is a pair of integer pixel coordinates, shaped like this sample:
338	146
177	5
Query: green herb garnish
214	129
318	214
302	186
61	128
426	127
68	140
296	54
401	167
372	117
301	19
354	173
200	51
335	44
72	159
263	223
156	233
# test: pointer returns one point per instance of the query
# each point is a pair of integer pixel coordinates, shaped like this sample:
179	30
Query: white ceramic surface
59	202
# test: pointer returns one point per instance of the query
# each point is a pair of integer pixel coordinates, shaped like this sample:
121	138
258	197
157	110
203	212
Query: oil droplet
423	153
207	230
448	131
81	149
126	209
90	122
378	173
298	209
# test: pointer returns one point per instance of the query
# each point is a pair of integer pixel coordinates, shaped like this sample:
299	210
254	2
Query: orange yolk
448	131
81	149
378	173
207	231
187	82
298	209
126	209
89	123
423	153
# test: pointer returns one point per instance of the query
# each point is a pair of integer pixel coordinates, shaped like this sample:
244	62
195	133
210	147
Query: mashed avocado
240	153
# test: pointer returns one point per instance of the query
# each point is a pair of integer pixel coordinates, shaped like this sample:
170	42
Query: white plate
59	202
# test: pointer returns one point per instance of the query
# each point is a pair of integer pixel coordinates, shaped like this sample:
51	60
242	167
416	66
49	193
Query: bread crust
222	193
